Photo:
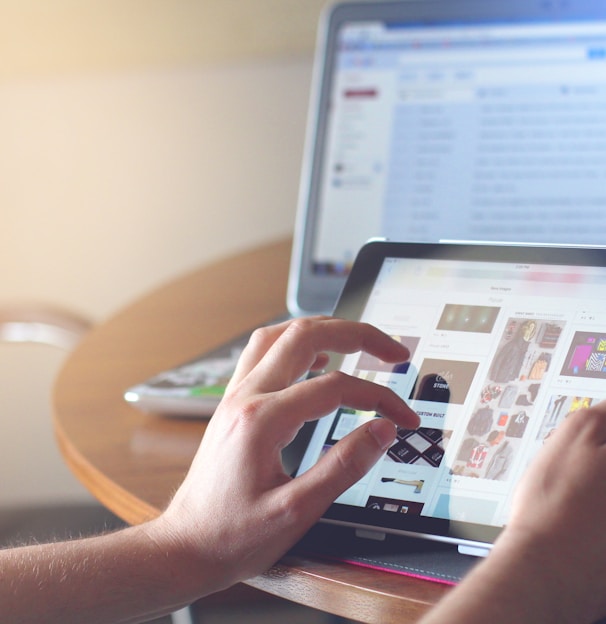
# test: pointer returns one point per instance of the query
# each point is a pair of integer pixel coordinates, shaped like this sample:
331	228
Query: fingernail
383	431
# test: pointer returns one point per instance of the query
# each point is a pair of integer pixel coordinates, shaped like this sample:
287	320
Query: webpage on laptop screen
494	132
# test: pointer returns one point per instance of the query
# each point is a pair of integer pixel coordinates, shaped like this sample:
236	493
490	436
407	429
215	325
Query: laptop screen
454	119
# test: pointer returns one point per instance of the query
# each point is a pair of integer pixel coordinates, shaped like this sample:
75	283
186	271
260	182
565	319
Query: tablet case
427	560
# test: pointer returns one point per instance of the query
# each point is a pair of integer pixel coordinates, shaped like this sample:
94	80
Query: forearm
115	578
514	584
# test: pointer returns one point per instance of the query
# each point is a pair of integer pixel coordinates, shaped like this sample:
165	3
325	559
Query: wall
116	180
113	183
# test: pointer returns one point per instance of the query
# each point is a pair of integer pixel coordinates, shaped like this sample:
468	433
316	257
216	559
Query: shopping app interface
500	355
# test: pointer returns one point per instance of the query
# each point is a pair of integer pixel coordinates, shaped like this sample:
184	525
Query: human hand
558	514
237	511
549	563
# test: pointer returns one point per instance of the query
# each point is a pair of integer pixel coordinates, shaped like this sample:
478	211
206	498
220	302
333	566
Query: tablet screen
504	343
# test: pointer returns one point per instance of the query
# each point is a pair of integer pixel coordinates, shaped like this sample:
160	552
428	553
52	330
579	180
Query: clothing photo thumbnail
525	349
501	415
558	408
586	356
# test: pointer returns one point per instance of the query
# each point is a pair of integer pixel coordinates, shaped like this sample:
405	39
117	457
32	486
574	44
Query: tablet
505	341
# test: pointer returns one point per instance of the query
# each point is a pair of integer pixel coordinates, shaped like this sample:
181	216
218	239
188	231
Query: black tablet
505	341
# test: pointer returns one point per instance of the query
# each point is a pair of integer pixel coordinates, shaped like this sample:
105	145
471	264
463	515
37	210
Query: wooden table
132	462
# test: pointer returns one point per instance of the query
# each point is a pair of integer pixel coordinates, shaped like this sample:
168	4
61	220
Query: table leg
182	616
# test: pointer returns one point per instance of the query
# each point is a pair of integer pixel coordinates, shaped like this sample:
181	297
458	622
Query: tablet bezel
351	305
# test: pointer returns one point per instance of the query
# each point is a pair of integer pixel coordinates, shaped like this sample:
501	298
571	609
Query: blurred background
140	139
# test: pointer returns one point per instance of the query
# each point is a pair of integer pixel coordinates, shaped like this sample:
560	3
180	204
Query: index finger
257	346
295	350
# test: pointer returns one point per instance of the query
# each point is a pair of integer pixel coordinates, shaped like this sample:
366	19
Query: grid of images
495	432
507	401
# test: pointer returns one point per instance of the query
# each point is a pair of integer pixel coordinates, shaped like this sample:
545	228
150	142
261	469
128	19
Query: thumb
345	464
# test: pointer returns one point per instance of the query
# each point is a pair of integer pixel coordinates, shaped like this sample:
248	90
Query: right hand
559	510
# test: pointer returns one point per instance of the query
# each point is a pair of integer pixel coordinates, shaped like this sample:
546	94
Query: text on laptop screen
491	132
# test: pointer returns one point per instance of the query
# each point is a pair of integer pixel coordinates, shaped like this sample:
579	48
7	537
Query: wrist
190	571
539	572
520	581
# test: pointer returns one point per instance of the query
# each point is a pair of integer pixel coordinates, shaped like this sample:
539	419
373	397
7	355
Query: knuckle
250	410
261	338
245	411
333	387
348	462
335	379
299	327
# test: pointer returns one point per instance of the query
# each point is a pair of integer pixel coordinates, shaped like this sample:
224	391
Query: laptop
463	120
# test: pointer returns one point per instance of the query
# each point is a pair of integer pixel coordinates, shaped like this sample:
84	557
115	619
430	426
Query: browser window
494	133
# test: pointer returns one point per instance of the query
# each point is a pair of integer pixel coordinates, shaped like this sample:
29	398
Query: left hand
237	511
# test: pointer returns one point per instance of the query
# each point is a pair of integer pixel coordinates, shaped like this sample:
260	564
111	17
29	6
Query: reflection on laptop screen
490	129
